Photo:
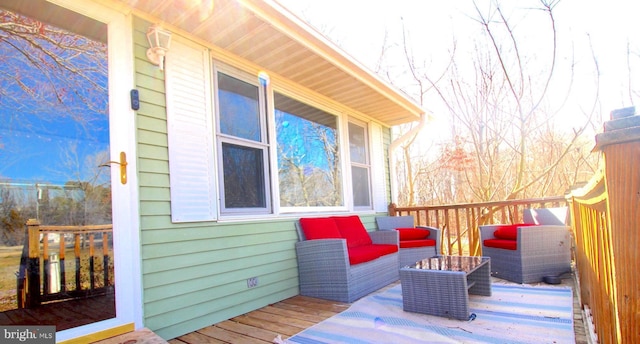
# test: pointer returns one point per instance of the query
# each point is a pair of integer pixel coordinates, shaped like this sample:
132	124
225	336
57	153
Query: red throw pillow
509	232
412	233
320	228
352	229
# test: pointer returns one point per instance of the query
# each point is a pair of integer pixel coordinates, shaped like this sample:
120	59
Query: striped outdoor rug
513	314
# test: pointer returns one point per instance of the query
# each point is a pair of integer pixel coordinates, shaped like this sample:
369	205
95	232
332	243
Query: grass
9	265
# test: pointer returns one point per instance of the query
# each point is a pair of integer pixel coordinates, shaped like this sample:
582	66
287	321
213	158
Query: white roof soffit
267	35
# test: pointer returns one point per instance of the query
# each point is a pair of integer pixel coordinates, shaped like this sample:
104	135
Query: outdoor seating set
338	259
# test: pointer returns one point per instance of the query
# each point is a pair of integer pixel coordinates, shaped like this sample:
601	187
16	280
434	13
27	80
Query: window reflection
308	155
243	177
239	108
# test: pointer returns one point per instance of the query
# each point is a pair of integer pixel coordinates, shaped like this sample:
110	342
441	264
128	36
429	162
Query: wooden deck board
251	331
229	336
285	318
264	315
267	324
195	338
291	314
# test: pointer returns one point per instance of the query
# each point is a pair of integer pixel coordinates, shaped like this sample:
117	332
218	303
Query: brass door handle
123	167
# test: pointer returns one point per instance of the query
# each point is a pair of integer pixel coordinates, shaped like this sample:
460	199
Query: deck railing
606	217
64	262
459	222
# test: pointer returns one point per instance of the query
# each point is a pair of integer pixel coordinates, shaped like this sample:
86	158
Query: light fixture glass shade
159	42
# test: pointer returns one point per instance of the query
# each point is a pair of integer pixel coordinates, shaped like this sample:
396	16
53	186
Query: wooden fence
459	222
606	217
45	273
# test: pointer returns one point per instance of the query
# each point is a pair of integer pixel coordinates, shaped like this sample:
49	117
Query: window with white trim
242	145
309	167
360	165
220	147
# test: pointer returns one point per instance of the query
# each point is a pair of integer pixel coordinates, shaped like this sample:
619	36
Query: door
61	169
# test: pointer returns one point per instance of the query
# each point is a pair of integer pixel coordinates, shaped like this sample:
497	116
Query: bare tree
64	60
503	145
54	90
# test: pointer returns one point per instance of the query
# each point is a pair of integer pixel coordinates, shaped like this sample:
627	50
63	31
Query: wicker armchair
409	251
534	252
325	271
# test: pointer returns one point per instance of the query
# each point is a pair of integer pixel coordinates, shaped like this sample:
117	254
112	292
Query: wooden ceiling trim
168	11
273	52
186	17
300	69
282	55
238	32
226	25
244	44
214	23
328	83
334	85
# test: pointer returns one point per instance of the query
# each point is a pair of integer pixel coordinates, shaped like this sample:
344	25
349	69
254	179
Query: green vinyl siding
195	274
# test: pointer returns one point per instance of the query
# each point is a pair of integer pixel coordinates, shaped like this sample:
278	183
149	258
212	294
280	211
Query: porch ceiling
266	34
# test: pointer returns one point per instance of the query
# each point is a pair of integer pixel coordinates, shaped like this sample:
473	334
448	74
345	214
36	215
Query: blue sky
52	122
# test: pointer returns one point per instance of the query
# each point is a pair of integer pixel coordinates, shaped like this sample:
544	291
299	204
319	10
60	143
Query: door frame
125	199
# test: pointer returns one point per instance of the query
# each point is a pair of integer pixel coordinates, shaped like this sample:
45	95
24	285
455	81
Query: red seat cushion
352	229
412	233
417	243
320	228
365	253
385	249
502	243
362	254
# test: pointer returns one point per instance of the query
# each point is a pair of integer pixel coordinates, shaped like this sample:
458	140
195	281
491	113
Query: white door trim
125	199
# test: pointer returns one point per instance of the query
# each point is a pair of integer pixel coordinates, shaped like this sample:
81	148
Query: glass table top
450	263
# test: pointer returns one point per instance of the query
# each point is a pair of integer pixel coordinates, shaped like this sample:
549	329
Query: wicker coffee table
441	285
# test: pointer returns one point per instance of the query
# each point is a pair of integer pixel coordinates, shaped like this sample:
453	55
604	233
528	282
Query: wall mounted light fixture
159	42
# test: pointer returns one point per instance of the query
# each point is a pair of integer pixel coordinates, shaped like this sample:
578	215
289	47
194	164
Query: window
308	155
242	146
242	151
360	167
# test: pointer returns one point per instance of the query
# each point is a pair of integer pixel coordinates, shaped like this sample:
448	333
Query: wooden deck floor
64	314
284	318
293	315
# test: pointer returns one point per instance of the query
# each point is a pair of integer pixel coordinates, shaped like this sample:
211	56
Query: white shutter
378	175
189	130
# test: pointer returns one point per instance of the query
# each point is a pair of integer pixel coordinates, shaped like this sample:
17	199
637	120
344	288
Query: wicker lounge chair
411	251
327	271
529	253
